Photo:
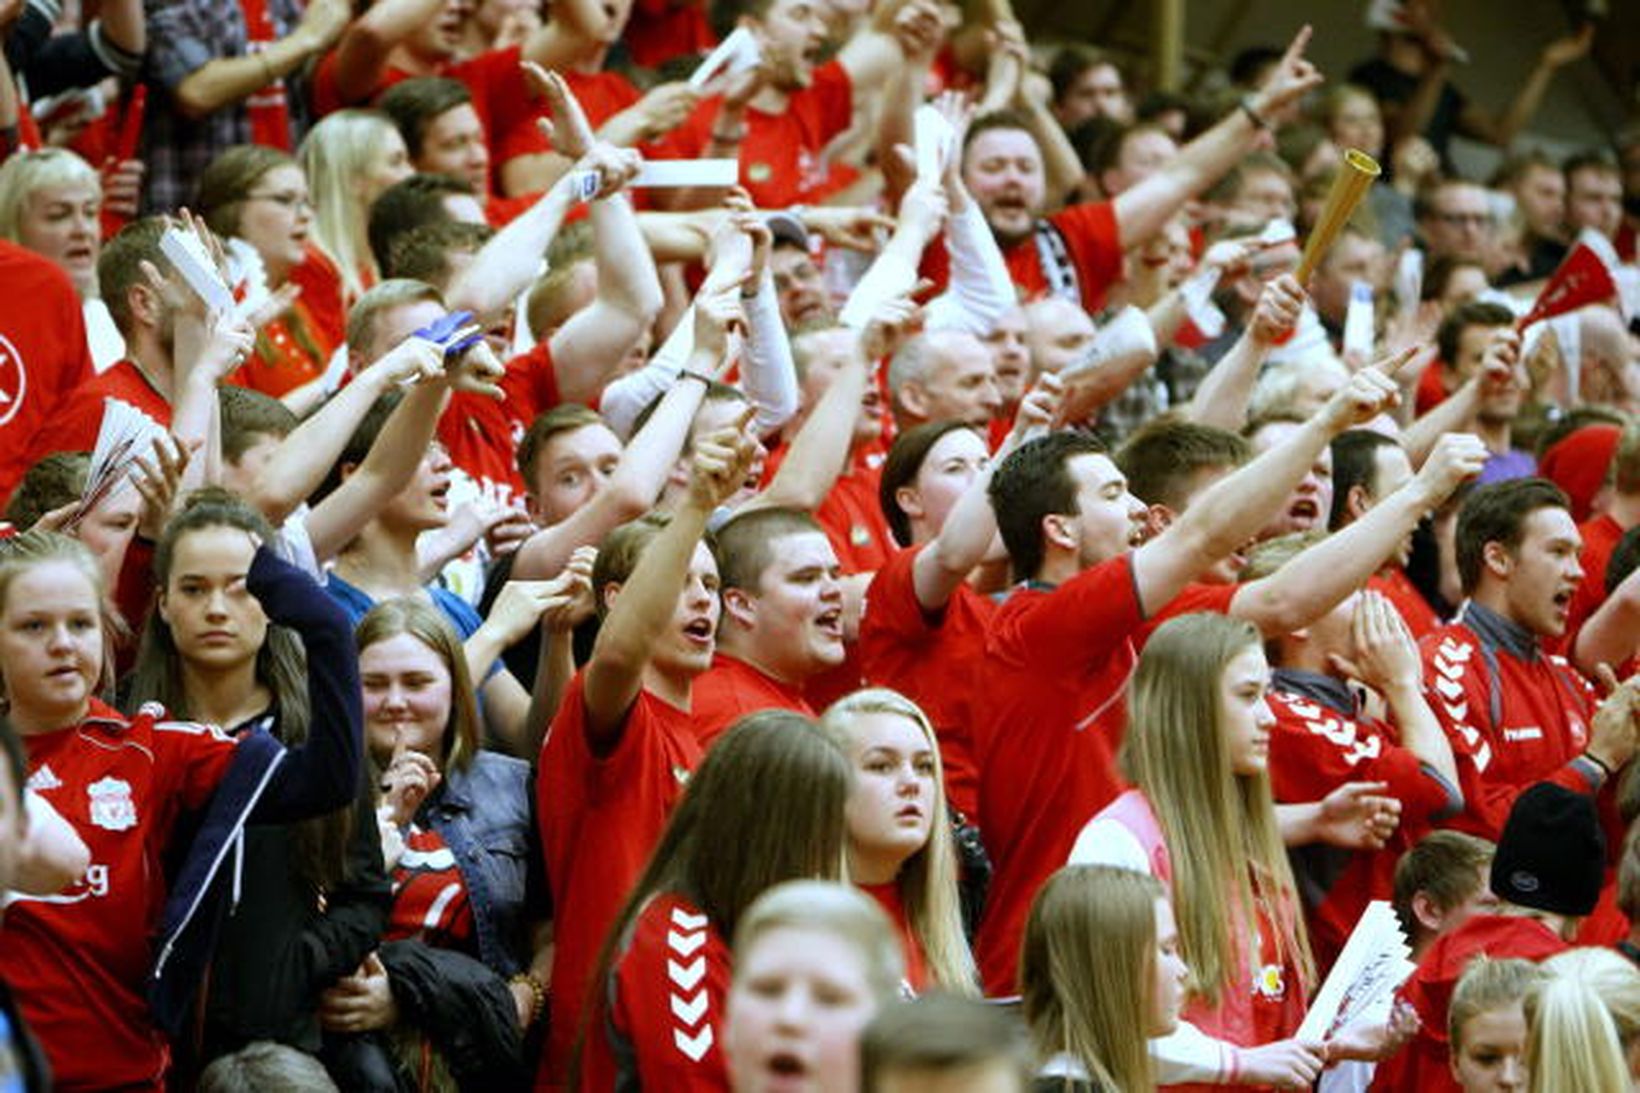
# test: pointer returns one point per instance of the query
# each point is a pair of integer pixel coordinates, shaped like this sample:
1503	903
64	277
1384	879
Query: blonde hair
335	155
928	878
1581	1018
426	623
21	553
1487	985
1228	852
1087	971
26	172
836	909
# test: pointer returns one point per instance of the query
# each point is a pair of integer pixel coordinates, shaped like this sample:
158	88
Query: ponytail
1581	1018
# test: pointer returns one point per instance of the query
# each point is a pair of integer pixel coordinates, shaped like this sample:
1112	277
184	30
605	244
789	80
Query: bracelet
691	374
720	137
538	994
1253	115
1601	763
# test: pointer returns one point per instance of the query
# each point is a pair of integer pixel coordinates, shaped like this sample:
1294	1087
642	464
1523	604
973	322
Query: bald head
943	375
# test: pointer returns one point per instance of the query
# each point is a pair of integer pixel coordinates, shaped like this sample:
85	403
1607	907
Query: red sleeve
1212	599
72	427
530	385
1458	688
1315	751
1095	242
833	93
190	759
1086	619
670	989
892	611
327	97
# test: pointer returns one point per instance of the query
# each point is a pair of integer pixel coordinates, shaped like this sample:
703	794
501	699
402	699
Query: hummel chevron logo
689	1013
684	944
683	920
687	976
1450	671
1452	650
1449	688
695	1046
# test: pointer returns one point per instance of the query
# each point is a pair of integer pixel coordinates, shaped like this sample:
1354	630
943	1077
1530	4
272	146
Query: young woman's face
1167	993
276	217
799	1002
215	621
389	163
892	802
51	645
1492	1055
407	696
62	223
1244	714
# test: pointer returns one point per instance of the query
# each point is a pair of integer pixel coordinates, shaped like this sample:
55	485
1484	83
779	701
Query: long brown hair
1228	852
281	667
765	806
1087	970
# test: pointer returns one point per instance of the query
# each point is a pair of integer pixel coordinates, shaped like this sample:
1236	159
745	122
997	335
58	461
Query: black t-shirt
1395	88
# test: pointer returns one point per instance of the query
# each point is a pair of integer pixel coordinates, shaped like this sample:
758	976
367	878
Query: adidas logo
43	779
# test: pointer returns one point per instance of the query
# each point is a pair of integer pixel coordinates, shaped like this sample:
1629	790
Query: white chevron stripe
687	976
689	1013
696	1046
684	944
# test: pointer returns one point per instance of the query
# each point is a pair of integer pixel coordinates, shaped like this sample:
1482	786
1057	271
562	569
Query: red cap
1577	463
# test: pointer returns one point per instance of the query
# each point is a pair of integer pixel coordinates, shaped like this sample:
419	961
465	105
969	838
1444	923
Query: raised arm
223	81
1477	123
648	601
1233	509
1319	578
1222	398
362	52
1609	635
1457	411
1141	210
889	43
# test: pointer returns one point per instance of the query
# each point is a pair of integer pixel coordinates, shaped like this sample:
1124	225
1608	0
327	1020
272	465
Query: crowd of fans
951	611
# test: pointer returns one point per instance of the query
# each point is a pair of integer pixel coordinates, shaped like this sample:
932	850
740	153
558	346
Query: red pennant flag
1584	277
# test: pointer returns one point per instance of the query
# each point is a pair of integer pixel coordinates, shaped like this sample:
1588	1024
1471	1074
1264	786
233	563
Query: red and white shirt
44	355
1515	714
78	961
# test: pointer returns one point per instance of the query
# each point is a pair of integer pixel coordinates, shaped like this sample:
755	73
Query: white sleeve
1187	1054
981	289
1107	842
766	368
624	399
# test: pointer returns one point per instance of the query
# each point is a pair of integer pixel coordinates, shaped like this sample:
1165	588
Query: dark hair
51	483
1497	513
1355	463
423	252
1590	159
11	747
413	105
407	204
1625	556
1246	66
119	267
724	15
1446	866
942	1032
1106	153
281	667
745	546
1034	482
765	806
226	182
995	119
1440	271
1464	316
905	460
248	416
1071	61
1161	458
1514	168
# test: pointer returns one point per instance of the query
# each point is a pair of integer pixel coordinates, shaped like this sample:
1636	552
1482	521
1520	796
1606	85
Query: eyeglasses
286	198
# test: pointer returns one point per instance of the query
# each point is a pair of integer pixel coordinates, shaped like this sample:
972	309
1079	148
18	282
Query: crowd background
966	607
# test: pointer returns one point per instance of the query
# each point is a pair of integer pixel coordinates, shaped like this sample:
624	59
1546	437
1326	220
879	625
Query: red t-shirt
729	690
430	902
780	160
44	355
1422	1065
930	659
291	351
1415	611
1543	710
482	434
660	30
916	964
1315	747
78	962
1198	597
73	426
602	95
853	517
323	298
1431	390
600	817
1093	244
1048	720
668	994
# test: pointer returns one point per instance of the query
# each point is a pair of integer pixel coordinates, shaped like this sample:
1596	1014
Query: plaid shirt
182	36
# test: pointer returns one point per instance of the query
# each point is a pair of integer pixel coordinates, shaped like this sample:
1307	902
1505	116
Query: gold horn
1348	188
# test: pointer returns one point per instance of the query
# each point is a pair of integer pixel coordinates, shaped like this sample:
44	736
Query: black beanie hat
1551	856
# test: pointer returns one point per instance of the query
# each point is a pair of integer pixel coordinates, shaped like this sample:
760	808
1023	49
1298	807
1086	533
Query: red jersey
78	962
1198	597
1048	719
1082	245
732	688
1321	741
1422	1065
1515	715
600	817
74	424
602	95
1398	589
929	658
660	30
482	434
780	161
667	996
853	516
500	95
323	297
44	355
1431	390
291	351
916	964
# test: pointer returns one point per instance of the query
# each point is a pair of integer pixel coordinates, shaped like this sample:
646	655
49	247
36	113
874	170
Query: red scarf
269	111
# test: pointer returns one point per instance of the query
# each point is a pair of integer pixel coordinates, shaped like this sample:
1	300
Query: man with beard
1077	252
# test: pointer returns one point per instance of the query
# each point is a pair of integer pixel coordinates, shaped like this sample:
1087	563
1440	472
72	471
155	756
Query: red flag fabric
1584	277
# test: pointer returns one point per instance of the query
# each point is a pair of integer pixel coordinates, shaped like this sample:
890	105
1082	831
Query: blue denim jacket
483	814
